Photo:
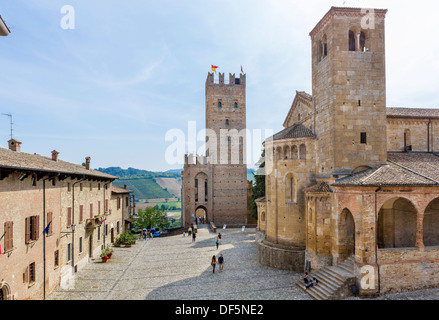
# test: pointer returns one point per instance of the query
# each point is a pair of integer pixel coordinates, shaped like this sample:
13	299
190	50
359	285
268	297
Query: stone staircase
334	281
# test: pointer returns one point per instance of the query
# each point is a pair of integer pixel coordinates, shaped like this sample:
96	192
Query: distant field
172	185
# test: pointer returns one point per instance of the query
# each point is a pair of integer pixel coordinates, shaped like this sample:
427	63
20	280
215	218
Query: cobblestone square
175	268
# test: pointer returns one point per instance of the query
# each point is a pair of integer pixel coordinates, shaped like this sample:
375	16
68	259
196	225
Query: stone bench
213	227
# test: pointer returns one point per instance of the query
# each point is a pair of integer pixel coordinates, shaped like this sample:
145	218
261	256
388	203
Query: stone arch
397	224
200	213
346	234
431	224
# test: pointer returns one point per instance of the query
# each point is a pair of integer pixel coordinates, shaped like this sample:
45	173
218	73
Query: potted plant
109	252
117	242
104	255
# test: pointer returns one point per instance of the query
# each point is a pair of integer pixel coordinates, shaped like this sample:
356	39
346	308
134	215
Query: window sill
31	284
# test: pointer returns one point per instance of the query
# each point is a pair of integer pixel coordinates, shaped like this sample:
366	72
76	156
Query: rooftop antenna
10	118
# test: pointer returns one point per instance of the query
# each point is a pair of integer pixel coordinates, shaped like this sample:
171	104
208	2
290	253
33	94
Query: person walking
221	262
217	243
189	231
213	263
219	238
194	236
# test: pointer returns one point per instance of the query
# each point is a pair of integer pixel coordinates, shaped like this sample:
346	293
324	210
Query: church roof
423	113
297	130
411	169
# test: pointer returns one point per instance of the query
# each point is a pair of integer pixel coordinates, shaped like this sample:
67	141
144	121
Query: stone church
352	190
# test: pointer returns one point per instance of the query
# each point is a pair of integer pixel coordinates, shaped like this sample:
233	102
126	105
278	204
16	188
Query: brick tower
349	90
217	183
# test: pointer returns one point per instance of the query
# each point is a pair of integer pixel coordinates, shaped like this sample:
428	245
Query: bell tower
349	89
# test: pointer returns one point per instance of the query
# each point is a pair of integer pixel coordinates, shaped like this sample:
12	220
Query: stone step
334	275
347	268
327	280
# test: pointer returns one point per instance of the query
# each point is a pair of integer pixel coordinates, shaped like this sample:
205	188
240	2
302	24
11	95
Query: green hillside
143	187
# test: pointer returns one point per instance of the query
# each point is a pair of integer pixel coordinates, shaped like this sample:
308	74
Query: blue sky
132	70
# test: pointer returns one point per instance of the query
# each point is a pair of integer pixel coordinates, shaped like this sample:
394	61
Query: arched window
290	193
227	122
324	46
219	104
362	41
278	153
236	105
302	152
286	152
294	155
351	41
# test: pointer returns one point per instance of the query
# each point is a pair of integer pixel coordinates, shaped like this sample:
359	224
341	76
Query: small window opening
236	105
219	104
363	138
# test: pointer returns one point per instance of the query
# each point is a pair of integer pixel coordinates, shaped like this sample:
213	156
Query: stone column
420	230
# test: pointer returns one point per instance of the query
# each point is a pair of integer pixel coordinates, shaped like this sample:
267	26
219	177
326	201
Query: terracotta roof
426	164
319	187
116	189
423	113
402	169
297	130
386	175
35	162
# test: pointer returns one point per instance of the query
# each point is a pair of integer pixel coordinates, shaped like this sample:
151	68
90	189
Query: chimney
14	145
55	155
124	186
87	163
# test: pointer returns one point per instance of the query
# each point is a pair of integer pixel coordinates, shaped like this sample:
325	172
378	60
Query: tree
149	218
258	189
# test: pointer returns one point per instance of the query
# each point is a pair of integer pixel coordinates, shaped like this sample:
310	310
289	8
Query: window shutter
37	228
26	274
91	210
99	207
9	243
69	216
27	228
106	205
81	213
49	219
118	203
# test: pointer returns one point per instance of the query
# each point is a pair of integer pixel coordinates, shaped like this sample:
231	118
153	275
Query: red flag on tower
214	68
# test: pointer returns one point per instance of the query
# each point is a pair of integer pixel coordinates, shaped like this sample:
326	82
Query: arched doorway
397	224
201	214
4	291
431	224
346	234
